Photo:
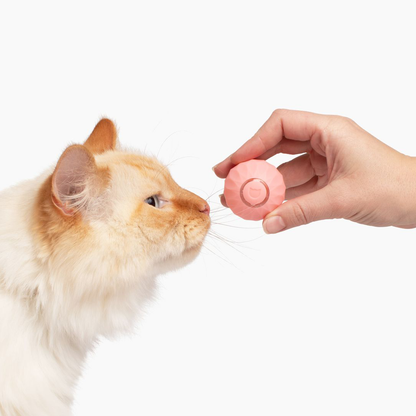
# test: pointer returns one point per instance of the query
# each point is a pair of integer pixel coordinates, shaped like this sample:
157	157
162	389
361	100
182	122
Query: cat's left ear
76	180
102	138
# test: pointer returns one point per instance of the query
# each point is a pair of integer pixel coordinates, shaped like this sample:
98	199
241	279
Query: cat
80	247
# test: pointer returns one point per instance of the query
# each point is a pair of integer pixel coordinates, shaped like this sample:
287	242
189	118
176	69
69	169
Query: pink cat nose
206	209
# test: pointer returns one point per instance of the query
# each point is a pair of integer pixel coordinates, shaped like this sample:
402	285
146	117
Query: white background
316	321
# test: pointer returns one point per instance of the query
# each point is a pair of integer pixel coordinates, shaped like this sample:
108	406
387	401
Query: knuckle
278	113
335	128
262	143
299	214
346	121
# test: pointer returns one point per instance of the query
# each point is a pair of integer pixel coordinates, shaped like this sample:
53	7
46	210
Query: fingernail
273	225
221	195
213	168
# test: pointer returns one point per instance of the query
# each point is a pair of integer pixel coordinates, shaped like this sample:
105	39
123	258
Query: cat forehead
137	165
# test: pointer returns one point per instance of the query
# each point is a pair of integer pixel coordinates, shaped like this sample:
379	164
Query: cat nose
206	209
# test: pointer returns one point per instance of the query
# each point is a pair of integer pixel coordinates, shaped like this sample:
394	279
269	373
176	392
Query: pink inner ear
64	207
71	176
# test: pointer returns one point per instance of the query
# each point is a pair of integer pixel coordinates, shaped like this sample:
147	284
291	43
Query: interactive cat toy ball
254	188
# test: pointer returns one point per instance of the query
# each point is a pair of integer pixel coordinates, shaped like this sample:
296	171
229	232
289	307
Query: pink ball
254	188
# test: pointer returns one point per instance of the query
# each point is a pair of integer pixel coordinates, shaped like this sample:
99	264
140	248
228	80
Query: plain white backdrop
316	321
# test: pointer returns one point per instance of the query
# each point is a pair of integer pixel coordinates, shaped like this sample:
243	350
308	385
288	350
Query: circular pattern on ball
254	192
254	188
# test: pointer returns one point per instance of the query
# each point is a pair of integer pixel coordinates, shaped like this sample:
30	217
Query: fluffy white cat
80	247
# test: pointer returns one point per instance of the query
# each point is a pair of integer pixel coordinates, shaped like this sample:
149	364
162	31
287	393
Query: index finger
289	124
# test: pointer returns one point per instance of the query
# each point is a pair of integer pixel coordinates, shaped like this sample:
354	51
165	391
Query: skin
342	172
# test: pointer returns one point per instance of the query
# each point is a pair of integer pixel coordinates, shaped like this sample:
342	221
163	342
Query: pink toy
254	188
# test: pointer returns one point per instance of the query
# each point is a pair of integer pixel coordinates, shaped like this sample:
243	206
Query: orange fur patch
50	223
103	137
182	220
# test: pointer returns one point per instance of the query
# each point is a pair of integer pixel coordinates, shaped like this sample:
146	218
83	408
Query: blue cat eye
153	201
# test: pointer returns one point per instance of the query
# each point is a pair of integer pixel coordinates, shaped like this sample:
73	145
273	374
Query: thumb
318	205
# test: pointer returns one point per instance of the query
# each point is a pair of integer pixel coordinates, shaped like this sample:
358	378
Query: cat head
107	220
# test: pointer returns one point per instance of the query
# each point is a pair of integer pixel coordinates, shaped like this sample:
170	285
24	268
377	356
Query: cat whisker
234	226
216	203
228	243
180	158
201	191
241	243
167	138
216	192
215	249
220	257
226	216
157	125
217	210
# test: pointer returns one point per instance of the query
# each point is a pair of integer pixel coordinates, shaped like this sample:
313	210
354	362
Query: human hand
343	172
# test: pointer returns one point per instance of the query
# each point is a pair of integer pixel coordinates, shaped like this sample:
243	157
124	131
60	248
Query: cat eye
153	201
156	201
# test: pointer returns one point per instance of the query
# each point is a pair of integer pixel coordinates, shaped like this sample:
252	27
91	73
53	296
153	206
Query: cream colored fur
87	274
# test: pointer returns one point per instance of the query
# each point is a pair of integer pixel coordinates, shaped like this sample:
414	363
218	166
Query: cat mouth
195	232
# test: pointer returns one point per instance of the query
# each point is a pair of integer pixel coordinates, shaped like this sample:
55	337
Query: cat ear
74	174
103	137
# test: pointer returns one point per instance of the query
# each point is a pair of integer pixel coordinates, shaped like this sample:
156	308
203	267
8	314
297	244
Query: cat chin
190	254
176	263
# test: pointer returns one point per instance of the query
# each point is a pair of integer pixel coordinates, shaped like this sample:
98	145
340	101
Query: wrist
405	194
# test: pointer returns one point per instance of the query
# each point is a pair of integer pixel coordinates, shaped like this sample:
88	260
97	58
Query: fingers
304	174
311	186
289	147
314	184
286	146
302	169
319	205
293	125
297	172
308	199
223	201
222	169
